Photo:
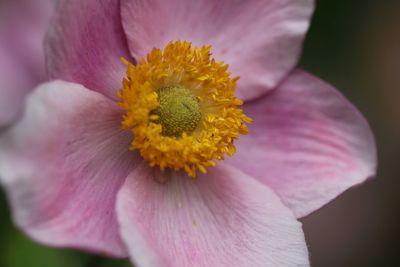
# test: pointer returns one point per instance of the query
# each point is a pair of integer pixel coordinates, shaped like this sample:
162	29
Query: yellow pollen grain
181	108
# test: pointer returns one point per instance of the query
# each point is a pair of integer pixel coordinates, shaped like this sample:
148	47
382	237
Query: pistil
179	111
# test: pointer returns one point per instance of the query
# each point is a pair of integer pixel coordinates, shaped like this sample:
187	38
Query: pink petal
260	39
85	45
22	27
62	166
308	143
15	84
224	218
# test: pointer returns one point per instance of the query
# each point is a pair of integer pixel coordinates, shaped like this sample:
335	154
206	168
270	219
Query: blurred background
354	45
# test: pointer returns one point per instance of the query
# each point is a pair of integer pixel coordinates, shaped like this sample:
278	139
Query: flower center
181	108
179	111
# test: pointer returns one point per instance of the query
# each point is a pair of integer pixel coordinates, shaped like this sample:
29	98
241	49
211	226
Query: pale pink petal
224	218
307	142
15	83
23	24
22	27
62	166
260	39
85	45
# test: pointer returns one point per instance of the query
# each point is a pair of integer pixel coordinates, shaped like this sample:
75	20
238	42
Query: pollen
181	108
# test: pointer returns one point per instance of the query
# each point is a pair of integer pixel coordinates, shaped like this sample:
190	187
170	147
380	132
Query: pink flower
22	28
72	181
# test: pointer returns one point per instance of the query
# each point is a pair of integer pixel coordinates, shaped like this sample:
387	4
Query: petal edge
308	143
223	218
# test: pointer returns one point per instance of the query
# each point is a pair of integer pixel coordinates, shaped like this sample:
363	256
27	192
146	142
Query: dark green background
355	45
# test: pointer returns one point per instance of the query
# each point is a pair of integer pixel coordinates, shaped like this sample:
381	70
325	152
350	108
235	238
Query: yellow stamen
181	108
